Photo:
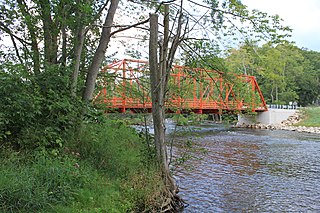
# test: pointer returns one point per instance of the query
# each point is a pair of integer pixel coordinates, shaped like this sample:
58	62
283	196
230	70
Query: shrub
36	111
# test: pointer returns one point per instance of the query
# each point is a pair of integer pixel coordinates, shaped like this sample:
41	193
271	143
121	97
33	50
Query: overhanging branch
7	30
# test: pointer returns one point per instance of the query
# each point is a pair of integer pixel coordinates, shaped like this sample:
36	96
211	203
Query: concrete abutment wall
272	116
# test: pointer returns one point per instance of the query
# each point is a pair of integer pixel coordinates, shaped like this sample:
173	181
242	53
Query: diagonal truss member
124	86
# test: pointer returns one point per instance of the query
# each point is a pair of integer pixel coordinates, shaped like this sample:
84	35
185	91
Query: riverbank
106	168
302	121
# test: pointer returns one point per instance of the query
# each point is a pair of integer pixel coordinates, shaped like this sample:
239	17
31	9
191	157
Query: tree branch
16	49
129	27
142	22
7	30
96	17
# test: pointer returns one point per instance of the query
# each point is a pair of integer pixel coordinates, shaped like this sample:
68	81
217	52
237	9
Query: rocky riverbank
284	125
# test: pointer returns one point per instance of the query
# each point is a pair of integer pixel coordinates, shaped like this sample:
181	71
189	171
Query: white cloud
302	16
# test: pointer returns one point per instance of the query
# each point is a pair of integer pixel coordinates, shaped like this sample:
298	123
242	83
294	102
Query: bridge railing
282	106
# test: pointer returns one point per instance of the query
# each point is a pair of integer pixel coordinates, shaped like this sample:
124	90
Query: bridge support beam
199	111
272	116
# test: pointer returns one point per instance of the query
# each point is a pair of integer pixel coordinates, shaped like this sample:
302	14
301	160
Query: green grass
311	117
104	170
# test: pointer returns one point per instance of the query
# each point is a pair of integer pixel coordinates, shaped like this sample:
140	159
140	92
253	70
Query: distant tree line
284	72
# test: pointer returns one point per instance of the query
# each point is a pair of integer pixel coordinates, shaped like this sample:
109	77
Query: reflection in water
253	171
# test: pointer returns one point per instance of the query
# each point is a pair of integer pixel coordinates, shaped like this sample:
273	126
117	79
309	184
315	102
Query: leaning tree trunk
100	52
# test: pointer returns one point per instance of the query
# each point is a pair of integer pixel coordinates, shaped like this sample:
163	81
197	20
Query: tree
243	60
308	81
100	52
159	75
283	71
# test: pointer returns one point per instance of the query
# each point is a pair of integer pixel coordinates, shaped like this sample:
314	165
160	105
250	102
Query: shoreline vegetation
305	120
108	168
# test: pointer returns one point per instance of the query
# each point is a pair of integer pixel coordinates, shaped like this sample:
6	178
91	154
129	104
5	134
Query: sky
302	16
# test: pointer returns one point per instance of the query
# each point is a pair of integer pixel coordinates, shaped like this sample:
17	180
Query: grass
104	170
312	117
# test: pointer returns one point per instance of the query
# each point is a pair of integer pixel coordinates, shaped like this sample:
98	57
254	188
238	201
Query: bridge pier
272	116
215	117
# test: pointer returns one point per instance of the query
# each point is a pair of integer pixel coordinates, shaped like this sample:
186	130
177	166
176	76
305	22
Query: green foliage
311	117
284	72
229	118
288	96
196	118
110	146
37	111
308	82
124	182
18	105
204	54
104	170
190	119
32	183
180	120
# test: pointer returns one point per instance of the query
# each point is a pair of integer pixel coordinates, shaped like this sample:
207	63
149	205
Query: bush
36	111
119	153
180	120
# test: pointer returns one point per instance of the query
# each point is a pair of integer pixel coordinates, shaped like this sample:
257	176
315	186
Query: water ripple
252	171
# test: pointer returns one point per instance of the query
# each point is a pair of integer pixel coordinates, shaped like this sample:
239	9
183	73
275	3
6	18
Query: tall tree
159	76
100	52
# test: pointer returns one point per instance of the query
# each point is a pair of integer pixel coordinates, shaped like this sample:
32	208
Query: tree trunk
64	36
157	79
51	32
35	51
63	59
33	37
157	93
77	53
79	41
277	95
100	52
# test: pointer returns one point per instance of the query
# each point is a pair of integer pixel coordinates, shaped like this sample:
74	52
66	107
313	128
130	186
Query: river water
246	170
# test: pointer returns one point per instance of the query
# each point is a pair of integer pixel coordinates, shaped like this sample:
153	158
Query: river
248	170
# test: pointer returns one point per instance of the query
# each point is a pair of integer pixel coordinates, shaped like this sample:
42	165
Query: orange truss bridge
125	87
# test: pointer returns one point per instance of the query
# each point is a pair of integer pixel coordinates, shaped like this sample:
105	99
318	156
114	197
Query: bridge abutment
272	116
